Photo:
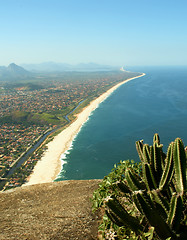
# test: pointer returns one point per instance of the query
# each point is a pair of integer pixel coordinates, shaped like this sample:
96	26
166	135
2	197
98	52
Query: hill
13	71
16	117
55	211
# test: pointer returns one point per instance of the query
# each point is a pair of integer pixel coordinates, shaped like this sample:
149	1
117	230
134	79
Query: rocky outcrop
59	210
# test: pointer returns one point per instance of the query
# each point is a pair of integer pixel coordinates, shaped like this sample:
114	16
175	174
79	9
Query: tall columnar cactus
159	192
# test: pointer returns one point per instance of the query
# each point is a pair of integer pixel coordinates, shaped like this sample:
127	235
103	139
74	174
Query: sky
112	32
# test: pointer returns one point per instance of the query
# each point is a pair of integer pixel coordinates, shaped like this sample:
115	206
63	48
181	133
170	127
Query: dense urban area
33	107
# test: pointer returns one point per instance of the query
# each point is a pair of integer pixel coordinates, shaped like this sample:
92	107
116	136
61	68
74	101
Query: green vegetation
24	85
146	200
44	118
34	118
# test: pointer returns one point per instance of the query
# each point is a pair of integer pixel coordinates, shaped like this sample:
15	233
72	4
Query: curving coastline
47	169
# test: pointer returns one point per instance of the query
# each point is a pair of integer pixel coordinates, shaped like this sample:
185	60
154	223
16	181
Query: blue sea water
154	103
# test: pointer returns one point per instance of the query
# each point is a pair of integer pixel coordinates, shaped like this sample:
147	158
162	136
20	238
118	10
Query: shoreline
50	165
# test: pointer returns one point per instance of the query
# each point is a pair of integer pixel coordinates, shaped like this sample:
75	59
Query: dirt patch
59	210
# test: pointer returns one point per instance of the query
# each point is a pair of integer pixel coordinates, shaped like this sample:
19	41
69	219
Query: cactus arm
179	165
123	215
156	139
151	156
148	177
161	227
146	153
123	187
157	151
139	148
175	212
133	180
168	169
114	218
160	199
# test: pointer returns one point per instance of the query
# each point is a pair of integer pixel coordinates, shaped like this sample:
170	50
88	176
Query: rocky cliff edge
59	210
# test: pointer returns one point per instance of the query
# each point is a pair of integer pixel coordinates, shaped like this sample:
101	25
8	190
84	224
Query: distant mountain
25	71
61	67
13	71
47	67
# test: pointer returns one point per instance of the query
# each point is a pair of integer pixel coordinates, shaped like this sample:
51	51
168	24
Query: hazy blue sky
114	32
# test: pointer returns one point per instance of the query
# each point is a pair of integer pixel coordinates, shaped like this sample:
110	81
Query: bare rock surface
59	210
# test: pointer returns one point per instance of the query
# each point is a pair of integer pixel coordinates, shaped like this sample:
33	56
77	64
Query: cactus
152	214
121	215
156	139
139	148
147	153
123	187
133	180
179	165
168	170
158	161
161	201
148	177
159	192
175	211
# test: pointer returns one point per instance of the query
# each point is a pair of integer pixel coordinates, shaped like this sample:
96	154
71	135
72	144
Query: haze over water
154	103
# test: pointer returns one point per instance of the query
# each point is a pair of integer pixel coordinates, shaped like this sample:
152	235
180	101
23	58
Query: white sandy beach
47	169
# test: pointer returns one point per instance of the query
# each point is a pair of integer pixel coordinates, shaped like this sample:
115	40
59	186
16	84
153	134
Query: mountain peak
12	65
16	69
13	71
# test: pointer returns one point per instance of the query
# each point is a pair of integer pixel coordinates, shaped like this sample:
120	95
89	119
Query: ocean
154	103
